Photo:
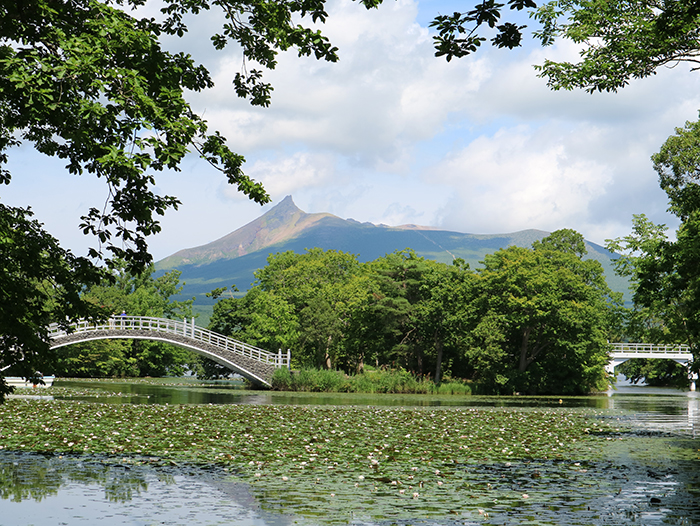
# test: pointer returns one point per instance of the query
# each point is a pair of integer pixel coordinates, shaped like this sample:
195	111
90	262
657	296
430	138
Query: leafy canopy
89	82
619	40
542	318
532	320
665	273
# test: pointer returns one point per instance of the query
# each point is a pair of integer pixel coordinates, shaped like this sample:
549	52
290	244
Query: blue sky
390	134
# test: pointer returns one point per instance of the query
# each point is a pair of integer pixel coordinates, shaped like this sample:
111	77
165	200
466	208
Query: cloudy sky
390	134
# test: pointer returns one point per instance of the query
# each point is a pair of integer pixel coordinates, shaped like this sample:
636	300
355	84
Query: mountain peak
283	212
282	222
286	204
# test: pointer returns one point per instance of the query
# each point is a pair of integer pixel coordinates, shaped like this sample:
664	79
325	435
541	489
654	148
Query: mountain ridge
233	258
281	222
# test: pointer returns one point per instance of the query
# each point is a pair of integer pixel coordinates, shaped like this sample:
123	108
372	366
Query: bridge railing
182	328
650	348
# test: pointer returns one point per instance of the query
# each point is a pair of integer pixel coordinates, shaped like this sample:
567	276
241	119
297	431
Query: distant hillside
233	258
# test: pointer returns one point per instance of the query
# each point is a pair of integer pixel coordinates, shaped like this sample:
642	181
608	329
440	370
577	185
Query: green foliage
39	283
137	295
653	318
665	373
89	82
323	289
259	318
564	240
666	273
281	379
678	166
533	320
457	33
545	315
415	310
620	40
372	381
97	359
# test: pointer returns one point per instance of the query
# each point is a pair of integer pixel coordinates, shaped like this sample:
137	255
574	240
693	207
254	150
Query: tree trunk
438	365
523	350
360	364
327	358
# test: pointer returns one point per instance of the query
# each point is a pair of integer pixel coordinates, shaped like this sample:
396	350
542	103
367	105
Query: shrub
282	380
396	381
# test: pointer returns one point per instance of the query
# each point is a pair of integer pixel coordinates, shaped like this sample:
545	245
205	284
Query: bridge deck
650	350
253	362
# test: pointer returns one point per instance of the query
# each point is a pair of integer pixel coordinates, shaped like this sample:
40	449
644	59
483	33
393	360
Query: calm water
39	490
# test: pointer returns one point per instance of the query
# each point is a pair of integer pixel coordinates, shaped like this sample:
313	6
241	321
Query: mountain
233	258
280	224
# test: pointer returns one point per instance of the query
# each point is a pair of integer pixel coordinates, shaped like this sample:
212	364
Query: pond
643	467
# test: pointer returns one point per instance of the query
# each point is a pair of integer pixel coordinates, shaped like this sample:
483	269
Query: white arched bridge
621	352
251	362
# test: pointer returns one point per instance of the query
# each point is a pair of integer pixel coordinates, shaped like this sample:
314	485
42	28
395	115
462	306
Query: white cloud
282	176
386	91
519	178
391	134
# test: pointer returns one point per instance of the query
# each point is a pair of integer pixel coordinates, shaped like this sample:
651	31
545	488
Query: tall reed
396	381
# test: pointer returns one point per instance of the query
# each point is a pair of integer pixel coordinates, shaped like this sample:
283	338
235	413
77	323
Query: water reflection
660	410
55	490
37	489
219	393
627	397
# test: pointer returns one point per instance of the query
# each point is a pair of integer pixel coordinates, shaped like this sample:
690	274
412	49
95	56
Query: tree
621	40
678	166
413	316
301	302
665	373
438	315
39	283
324	287
457	33
89	82
259	318
651	318
386	325
544	313
564	240
666	273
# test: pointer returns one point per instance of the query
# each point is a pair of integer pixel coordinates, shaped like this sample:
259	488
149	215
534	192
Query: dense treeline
531	320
